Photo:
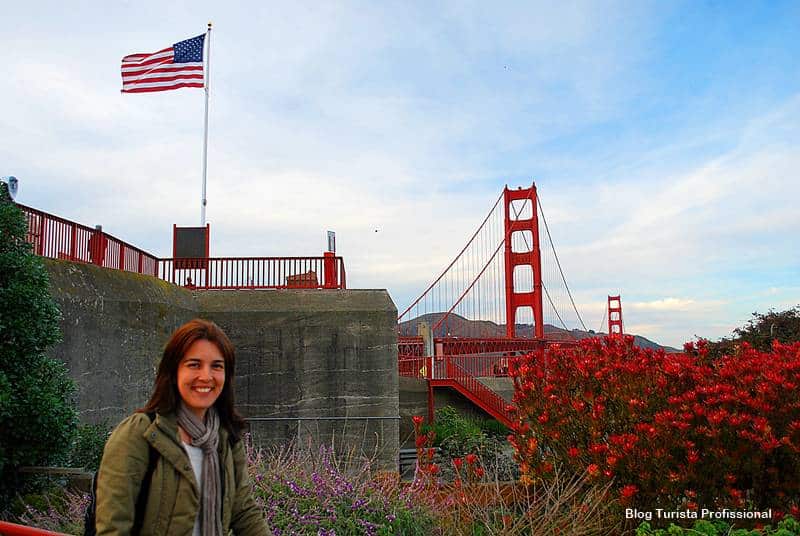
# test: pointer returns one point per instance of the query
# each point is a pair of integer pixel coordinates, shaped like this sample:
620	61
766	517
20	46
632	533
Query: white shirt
196	457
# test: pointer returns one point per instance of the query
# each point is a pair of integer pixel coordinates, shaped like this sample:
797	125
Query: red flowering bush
678	430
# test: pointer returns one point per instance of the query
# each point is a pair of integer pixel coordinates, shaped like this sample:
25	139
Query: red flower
593	469
543	418
479	472
471	459
417	420
457	462
628	491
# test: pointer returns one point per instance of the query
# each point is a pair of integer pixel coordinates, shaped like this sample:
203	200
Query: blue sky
663	138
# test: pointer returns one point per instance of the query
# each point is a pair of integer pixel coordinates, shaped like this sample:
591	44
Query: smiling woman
201	376
187	439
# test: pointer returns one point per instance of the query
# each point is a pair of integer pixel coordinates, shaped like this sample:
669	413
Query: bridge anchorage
487	307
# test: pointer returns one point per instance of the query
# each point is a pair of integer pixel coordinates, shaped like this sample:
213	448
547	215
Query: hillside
458	326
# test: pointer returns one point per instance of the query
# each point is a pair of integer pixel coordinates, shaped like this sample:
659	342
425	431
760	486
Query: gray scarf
205	435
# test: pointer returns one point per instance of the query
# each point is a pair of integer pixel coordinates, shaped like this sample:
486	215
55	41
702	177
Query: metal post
205	125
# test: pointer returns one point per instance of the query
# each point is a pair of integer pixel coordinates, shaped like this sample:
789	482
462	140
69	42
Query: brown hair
165	395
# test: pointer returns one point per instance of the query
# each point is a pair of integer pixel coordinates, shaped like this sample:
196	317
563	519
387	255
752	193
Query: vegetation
37	414
787	527
760	331
667	431
458	436
87	446
310	491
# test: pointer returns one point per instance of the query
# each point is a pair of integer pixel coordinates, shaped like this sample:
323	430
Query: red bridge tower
532	258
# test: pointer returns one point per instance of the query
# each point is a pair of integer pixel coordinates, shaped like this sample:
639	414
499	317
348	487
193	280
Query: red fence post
329	275
98	243
73	249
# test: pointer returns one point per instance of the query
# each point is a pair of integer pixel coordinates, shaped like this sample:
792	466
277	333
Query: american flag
180	65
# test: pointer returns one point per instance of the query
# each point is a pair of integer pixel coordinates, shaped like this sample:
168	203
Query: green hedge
37	411
787	527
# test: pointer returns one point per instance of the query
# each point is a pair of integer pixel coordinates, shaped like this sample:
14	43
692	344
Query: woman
178	466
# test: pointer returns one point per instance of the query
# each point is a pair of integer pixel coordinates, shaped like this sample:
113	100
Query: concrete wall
300	353
311	354
115	325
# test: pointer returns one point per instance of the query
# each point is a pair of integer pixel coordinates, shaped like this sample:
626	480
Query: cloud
665	304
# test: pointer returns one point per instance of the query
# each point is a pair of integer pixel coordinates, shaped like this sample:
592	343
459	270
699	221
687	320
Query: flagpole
205	135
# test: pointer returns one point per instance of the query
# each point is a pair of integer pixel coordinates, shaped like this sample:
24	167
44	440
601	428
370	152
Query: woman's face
201	376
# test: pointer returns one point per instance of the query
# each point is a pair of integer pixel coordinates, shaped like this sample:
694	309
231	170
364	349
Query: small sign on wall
190	247
332	241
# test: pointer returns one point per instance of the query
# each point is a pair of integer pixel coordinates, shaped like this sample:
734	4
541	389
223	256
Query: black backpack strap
144	491
89	528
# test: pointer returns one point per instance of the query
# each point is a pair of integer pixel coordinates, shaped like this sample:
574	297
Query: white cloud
665	304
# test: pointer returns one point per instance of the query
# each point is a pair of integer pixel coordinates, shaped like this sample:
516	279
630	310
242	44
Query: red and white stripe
157	72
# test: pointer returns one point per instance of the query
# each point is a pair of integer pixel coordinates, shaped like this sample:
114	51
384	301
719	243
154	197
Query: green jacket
173	500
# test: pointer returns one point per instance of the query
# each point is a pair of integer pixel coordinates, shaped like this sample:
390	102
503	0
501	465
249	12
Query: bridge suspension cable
444	272
469	297
558	263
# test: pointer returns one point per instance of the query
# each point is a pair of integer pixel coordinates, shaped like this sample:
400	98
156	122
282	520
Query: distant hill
458	326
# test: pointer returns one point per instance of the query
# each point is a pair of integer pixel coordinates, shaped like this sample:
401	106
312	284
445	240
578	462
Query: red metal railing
414	367
484	397
255	272
461	373
473	365
410	347
12	529
58	238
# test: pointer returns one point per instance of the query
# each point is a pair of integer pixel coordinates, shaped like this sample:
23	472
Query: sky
663	137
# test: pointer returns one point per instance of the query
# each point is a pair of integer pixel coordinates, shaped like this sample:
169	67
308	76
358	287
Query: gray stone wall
115	325
328	357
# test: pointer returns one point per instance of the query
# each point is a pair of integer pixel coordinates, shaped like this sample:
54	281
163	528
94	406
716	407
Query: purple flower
358	504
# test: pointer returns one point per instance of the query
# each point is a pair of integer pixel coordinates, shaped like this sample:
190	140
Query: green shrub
787	527
87	447
457	436
37	415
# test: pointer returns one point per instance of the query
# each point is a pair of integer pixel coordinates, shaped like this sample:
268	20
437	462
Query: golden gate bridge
502	296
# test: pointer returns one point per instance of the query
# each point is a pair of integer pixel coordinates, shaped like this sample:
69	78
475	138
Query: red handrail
410	347
58	238
495	403
12	529
219	273
415	367
459	372
55	237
